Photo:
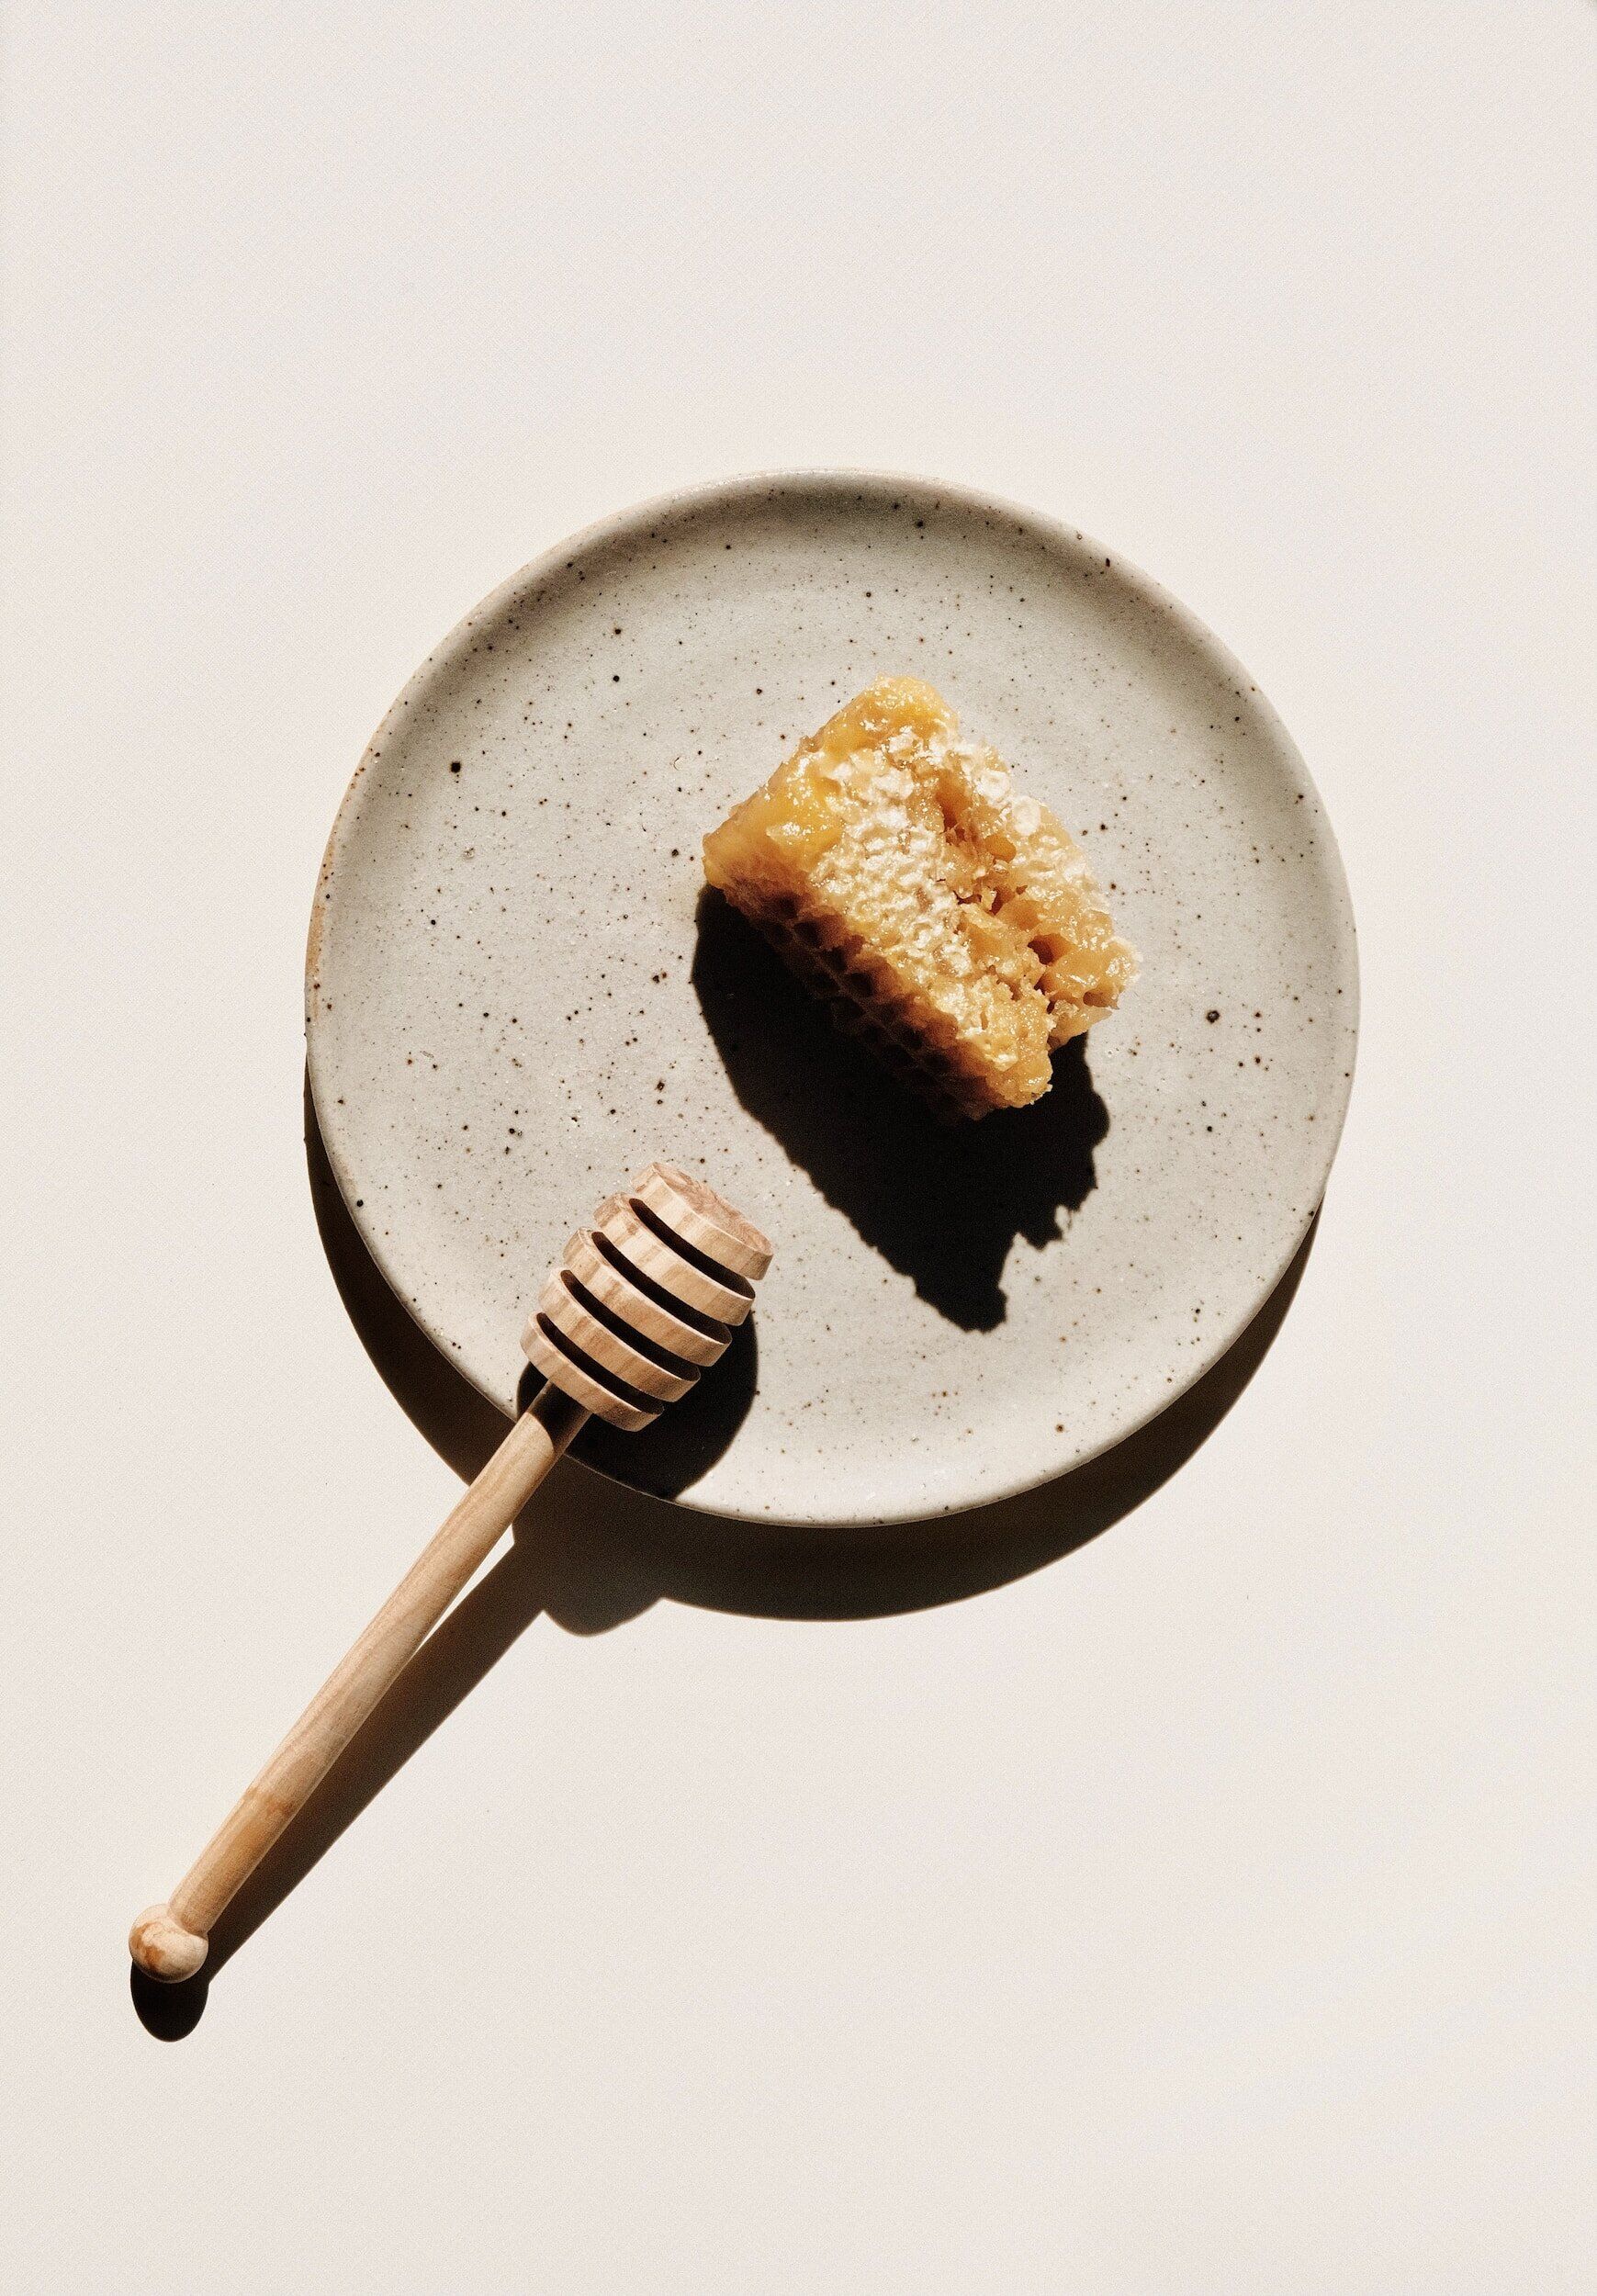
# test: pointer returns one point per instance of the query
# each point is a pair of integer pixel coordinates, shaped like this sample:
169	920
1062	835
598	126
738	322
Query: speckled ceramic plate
517	994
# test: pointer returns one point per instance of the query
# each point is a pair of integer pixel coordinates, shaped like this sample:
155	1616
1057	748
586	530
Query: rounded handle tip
163	1948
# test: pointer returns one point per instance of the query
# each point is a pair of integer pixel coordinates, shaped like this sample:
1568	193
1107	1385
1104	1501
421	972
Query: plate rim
720	494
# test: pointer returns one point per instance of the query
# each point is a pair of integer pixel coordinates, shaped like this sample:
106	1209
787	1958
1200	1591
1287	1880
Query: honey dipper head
647	1297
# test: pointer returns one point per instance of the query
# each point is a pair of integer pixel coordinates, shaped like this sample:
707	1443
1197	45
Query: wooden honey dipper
641	1302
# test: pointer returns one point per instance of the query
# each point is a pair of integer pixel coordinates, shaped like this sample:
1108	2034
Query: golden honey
956	921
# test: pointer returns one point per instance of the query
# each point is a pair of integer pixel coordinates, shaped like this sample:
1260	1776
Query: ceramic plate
517	992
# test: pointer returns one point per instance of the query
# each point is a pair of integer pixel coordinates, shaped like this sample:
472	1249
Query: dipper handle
171	1941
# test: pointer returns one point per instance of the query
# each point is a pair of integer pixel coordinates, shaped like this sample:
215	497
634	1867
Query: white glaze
501	955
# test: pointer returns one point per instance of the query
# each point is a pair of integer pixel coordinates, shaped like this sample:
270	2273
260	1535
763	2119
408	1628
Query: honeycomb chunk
954	922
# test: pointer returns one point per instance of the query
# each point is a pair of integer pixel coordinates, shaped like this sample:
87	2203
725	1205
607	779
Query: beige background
1209	1911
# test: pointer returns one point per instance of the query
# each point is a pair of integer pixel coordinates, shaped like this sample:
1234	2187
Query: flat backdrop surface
1208	1910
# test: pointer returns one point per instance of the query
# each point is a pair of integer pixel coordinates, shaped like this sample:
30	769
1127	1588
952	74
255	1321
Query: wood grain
622	1328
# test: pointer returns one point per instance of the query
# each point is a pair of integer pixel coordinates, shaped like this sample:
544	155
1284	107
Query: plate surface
517	994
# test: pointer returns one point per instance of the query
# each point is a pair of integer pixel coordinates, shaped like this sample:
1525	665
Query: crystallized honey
956	922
